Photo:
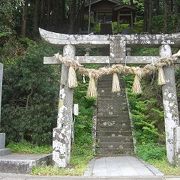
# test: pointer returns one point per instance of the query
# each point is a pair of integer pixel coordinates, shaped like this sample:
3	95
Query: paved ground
124	166
107	168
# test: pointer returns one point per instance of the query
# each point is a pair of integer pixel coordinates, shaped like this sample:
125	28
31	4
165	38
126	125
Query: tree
24	18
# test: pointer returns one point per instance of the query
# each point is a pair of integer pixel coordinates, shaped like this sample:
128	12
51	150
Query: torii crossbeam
117	44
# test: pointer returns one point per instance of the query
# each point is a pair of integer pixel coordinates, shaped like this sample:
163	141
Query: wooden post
62	134
171	114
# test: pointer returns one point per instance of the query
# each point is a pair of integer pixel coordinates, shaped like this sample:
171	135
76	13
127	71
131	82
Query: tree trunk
165	4
177	13
35	17
48	13
157	6
72	15
146	12
24	19
131	2
149	24
41	9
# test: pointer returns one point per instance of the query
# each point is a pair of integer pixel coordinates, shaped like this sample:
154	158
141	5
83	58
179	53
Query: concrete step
23	163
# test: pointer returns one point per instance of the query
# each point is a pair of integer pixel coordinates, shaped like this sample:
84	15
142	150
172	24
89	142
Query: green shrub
30	94
151	152
146	112
138	26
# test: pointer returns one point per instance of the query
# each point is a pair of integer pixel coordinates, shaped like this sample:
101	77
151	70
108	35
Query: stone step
115	145
115	139
124	118
110	129
114	126
119	103
112	120
23	163
113	133
116	110
113	151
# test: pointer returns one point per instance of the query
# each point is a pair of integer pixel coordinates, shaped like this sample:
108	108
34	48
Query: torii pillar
171	113
62	134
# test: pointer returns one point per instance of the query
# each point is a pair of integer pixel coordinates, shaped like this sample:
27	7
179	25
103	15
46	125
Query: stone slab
5	151
2	140
22	163
121	166
90	39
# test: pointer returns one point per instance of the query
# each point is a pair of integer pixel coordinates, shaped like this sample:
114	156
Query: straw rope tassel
161	76
72	79
115	83
137	85
92	89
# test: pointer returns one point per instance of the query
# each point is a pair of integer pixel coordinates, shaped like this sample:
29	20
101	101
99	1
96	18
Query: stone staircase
113	131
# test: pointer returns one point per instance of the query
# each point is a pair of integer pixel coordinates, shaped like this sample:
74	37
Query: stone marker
3	150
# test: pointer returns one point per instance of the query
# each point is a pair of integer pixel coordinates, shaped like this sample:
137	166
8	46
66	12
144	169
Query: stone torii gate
118	45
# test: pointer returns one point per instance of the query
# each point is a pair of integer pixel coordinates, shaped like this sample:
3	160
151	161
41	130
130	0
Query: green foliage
158	23
147	115
139	51
29	105
83	122
151	152
8	12
26	147
119	28
138	26
97	28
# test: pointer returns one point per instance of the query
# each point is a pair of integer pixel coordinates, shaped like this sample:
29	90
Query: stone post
62	134
1	79
117	49
3	150
171	114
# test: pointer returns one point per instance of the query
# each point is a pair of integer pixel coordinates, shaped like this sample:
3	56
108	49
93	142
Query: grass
79	160
28	148
155	155
165	167
80	157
